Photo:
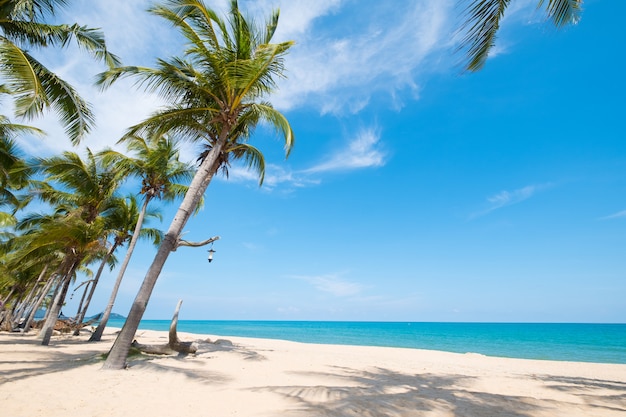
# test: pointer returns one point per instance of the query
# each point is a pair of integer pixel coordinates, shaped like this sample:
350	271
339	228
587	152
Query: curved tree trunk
46	331
97	335
81	316
42	296
119	351
4	312
174	344
82	299
28	302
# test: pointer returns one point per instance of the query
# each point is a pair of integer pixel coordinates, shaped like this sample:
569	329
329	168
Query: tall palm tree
156	163
23	27
482	22
127	218
121	220
80	242
217	94
80	192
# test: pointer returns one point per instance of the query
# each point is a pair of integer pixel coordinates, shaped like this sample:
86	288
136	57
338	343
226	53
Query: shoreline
542	341
264	377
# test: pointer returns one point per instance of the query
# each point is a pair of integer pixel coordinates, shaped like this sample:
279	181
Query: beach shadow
188	364
176	365
597	393
382	392
50	359
206	348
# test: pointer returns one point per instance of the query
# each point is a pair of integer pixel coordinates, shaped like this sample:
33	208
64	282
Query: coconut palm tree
129	220
23	27
121	221
80	192
157	164
80	242
84	185
217	93
482	22
15	172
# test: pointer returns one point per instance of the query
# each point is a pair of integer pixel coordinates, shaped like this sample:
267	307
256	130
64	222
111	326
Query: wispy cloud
332	284
618	215
507	198
363	151
329	61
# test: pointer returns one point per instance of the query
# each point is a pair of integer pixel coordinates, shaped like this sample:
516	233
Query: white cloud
618	215
333	284
508	198
363	151
381	50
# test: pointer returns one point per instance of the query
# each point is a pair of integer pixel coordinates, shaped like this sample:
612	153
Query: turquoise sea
604	343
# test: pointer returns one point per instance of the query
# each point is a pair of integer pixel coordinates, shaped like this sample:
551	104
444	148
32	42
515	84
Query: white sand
259	377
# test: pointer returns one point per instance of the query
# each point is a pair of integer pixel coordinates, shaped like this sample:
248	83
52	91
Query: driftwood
67	325
174	345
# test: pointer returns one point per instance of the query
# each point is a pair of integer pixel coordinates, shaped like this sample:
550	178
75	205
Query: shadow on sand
382	392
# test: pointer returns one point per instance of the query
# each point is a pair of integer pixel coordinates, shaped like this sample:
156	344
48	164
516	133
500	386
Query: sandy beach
260	377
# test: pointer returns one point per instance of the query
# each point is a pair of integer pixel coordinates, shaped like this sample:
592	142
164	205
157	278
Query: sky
415	191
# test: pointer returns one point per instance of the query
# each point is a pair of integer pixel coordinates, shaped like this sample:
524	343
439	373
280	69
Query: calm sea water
605	343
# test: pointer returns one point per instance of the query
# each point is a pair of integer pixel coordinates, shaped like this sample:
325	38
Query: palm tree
127	218
216	93
15	172
84	193
121	221
482	21
80	242
87	186
157	164
35	87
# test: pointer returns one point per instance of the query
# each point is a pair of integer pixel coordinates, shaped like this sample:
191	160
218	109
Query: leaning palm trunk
119	351
5	314
42	296
97	335
32	295
83	312
46	331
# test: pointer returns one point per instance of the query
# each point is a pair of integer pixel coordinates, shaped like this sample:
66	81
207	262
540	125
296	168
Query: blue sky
415	191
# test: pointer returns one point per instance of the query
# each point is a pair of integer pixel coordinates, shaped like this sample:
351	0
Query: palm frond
22	80
251	156
563	12
482	21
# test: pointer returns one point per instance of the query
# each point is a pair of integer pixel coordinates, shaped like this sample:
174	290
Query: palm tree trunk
28	301
119	351
81	316
87	285
36	306
97	335
5	314
46	331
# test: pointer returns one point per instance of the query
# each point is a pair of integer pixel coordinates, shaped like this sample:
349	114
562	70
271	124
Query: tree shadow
186	364
49	359
382	392
596	393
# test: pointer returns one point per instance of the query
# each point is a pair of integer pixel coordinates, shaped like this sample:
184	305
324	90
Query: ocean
602	343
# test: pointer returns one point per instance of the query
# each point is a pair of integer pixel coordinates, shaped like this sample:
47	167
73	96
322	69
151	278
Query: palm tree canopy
15	172
35	87
122	218
156	162
482	22
84	186
219	83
